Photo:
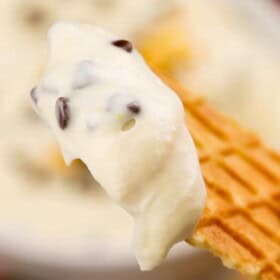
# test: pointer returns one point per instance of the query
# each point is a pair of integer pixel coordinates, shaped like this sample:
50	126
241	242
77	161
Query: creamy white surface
151	169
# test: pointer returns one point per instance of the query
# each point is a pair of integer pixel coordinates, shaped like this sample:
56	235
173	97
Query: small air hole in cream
128	124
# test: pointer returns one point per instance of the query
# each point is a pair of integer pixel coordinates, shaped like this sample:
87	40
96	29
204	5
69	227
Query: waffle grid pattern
241	221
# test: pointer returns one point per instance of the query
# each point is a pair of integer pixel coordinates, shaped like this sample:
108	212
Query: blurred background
56	222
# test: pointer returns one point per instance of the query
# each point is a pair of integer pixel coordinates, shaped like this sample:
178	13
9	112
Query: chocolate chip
134	108
33	95
124	44
62	112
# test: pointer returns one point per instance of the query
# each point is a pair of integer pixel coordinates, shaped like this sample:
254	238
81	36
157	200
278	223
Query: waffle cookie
241	221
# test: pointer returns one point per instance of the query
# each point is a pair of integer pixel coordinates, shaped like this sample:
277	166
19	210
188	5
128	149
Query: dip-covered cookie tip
112	112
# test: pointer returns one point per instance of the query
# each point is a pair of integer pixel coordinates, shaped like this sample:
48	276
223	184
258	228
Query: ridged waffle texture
241	221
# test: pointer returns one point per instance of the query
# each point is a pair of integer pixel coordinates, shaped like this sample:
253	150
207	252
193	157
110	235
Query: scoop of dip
107	108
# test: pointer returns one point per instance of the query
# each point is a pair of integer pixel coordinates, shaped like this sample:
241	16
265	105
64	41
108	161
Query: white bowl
30	260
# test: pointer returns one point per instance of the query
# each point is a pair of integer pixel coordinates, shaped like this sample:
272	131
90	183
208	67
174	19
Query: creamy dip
107	108
38	204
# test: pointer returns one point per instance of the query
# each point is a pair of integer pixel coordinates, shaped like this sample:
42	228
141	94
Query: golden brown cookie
241	221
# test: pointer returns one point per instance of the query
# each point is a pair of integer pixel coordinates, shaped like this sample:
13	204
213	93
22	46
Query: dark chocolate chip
134	108
33	95
124	44
62	112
